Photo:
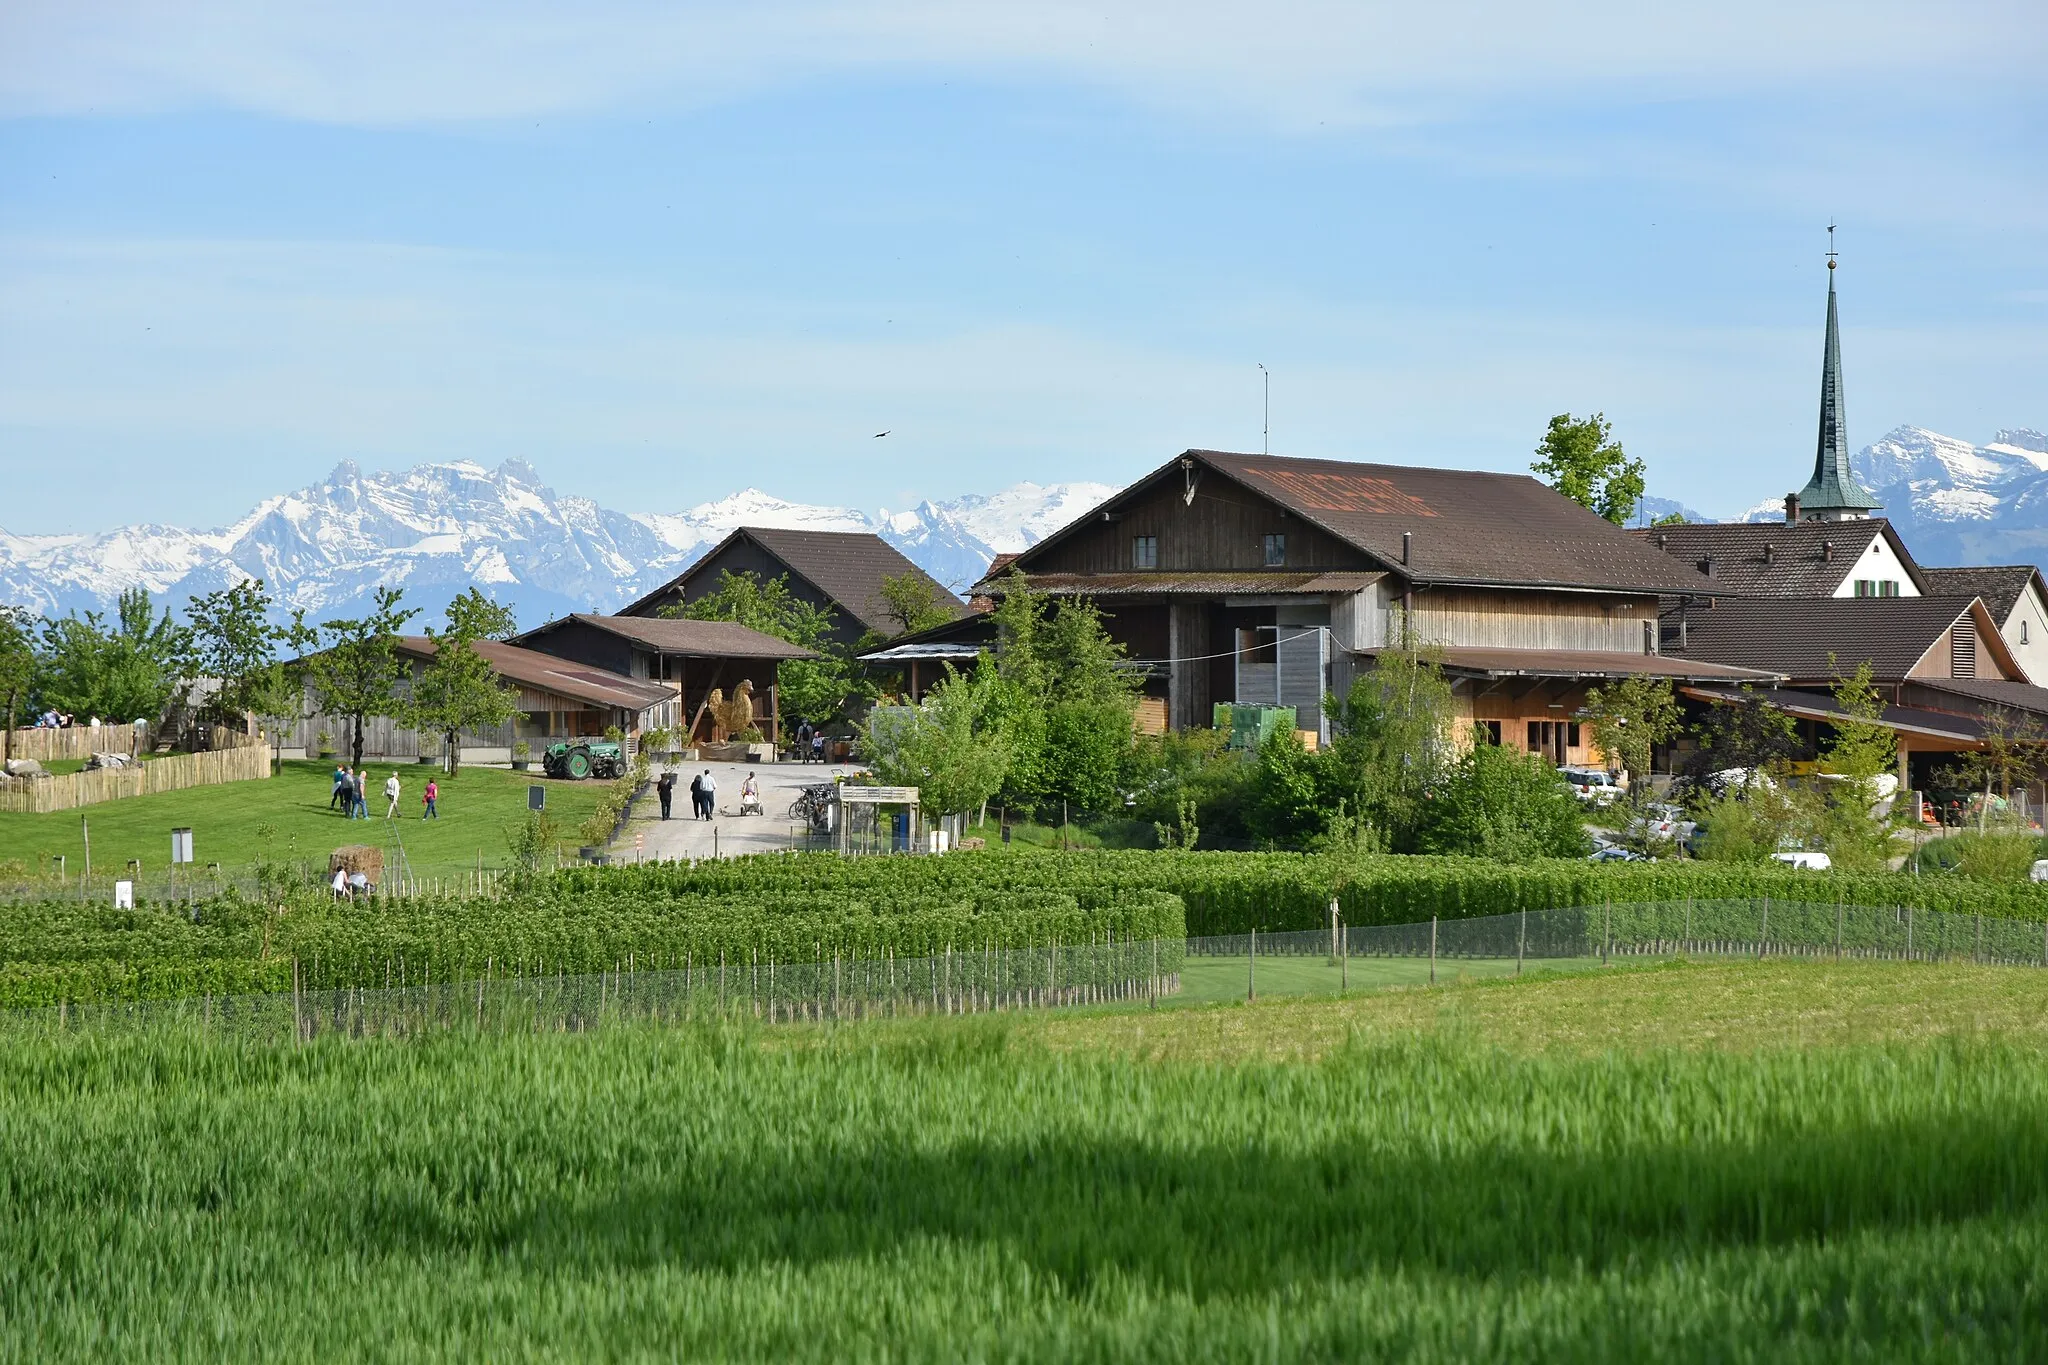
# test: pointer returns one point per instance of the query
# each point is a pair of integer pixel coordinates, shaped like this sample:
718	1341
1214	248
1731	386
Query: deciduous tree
459	690
17	665
356	675
130	668
1580	458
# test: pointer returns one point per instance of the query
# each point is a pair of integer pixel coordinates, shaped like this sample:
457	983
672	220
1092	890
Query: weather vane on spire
1831	244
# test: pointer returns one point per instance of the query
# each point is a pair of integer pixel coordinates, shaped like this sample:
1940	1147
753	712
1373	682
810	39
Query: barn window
1276	551
1144	552
1490	729
1962	650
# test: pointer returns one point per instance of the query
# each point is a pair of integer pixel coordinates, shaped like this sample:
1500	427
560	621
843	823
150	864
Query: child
431	795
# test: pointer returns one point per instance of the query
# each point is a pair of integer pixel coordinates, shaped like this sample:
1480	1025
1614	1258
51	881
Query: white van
1592	785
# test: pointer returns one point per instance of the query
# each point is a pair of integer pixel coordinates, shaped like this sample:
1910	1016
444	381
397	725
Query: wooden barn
839	571
1254	578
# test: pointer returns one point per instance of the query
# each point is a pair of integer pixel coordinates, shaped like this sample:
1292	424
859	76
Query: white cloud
1299	63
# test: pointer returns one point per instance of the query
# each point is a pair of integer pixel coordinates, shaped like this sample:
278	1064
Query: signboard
536	798
181	845
879	796
124	895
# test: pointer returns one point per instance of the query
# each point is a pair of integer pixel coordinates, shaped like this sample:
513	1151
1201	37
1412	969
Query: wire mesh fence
1057	975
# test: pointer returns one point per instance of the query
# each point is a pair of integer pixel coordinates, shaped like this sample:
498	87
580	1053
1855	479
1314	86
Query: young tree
234	643
460	690
1392	743
912	601
1629	719
1066	701
1581	459
1860	751
949	746
17	666
357	675
1744	734
129	669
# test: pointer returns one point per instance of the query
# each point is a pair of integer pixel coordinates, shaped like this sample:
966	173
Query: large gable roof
846	566
546	673
684	638
1777	559
1828	637
2000	585
1463	526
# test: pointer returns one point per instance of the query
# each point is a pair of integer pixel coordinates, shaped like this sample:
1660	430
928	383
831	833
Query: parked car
1593	785
1615	853
1805	858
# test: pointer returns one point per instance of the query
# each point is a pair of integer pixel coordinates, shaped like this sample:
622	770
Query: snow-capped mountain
1954	502
439	528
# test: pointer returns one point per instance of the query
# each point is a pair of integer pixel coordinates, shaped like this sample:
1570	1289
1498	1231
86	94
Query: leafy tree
1580	458
2015	751
1857	754
1505	806
128	669
949	746
1288	804
460	690
1669	519
913	602
1065	702
1391	743
815	690
235	643
357	674
1744	734
1629	720
17	666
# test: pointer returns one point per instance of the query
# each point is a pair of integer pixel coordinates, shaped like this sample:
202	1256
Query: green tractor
581	758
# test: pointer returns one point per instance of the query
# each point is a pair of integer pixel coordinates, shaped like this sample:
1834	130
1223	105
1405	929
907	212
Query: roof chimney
1707	566
1767	552
1405	537
1827	552
1663	540
1791	508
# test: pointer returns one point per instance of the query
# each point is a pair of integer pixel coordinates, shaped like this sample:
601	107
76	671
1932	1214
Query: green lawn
1206	980
1735	1162
229	821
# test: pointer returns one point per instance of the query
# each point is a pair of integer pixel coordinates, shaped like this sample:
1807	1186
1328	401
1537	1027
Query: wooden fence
242	763
79	741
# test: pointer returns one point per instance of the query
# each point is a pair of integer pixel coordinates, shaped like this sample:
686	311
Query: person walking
666	790
696	798
343	795
710	794
359	786
391	789
430	796
803	741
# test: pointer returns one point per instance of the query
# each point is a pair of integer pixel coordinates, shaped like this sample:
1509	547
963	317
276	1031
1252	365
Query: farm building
685	660
839	571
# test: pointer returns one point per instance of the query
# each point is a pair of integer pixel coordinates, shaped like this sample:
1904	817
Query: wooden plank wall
176	772
80	741
1532	620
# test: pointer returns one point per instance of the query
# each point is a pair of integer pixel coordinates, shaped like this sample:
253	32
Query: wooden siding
1225	528
1532	620
580	642
1939	661
1517	704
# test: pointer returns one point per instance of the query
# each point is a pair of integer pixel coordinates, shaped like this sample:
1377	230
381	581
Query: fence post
1909	933
1344	956
1333	926
1977	952
1432	950
1763	932
1251	970
1838	930
298	1019
1606	928
1155	971
1522	941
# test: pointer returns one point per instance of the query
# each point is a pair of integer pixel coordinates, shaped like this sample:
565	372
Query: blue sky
664	252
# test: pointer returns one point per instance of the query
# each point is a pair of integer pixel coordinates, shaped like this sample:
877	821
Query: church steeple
1833	494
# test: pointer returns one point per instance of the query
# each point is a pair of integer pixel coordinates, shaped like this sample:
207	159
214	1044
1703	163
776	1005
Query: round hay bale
367	859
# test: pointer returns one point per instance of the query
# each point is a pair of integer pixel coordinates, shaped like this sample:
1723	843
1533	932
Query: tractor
581	758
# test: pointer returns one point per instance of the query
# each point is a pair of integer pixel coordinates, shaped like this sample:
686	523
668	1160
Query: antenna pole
1266	440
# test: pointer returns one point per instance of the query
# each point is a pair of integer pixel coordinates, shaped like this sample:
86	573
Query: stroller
750	800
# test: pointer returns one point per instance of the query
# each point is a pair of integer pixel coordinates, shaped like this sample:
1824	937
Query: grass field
1637	1164
1211	980
228	821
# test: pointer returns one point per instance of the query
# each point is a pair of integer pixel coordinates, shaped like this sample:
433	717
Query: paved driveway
725	834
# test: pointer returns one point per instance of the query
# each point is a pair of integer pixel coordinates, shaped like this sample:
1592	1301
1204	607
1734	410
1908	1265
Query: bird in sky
880	434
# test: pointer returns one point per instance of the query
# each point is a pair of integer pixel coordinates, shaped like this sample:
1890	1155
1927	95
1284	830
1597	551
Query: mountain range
1953	502
437	529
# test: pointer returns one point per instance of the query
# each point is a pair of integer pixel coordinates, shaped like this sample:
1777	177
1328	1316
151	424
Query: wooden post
1606	928
1155	963
298	1018
1763	932
1432	950
1251	974
1343	958
1522	941
1838	929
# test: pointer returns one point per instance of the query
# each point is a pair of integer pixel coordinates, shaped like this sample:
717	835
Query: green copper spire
1833	494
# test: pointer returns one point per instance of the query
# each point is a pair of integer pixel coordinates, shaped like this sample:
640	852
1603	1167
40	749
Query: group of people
54	719
351	795
704	794
810	743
